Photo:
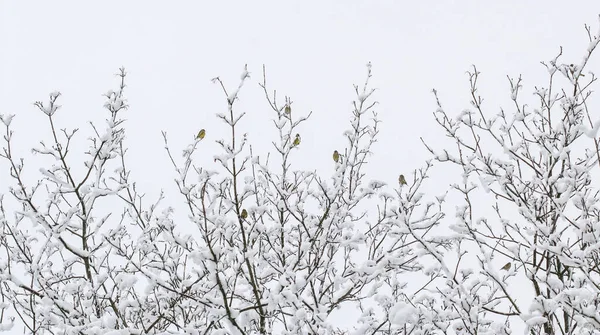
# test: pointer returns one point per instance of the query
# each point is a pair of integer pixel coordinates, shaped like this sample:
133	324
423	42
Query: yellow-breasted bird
402	180
297	140
336	156
244	214
506	267
201	134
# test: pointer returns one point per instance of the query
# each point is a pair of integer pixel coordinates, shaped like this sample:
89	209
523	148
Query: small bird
336	156
402	180
297	140
288	110
201	134
244	214
506	267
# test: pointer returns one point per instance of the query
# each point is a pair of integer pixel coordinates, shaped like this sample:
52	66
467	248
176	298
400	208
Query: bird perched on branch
288	111
336	156
244	214
201	134
506	267
297	140
402	180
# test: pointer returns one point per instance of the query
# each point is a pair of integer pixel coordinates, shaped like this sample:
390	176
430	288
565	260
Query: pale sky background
314	52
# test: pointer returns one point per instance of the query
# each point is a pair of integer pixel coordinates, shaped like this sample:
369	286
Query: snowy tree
276	250
268	248
537	164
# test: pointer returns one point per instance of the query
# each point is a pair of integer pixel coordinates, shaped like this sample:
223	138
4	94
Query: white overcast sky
314	52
